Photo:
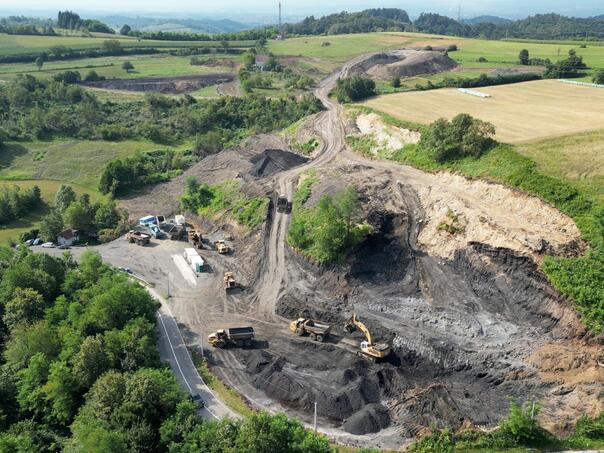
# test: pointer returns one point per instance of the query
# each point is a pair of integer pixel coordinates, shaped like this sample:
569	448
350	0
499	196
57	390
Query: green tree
90	362
598	77
106	216
127	66
523	57
39	63
396	82
64	197
78	217
112	46
26	341
125	30
30	395
51	225
60	392
25	307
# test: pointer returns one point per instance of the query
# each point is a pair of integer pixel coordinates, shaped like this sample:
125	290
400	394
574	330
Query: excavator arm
354	321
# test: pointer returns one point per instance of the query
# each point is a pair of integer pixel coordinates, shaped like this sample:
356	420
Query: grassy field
520	112
74	161
162	65
23	44
341	47
578	158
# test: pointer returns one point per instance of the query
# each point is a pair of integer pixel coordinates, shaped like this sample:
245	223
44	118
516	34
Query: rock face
172	85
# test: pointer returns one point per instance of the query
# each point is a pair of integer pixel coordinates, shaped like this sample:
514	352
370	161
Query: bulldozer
222	247
369	349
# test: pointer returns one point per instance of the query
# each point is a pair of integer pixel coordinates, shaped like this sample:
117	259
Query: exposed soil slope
171	85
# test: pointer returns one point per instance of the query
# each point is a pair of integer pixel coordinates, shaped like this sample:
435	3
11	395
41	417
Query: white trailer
193	259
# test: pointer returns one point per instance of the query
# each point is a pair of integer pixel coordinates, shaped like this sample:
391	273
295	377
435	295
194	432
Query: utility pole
280	21
315	420
459	13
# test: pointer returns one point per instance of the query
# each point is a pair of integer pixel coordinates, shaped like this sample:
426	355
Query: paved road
172	349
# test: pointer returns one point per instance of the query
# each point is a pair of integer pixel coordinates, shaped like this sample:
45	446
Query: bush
396	82
452	48
226	197
483	60
328	231
354	88
463	136
598	77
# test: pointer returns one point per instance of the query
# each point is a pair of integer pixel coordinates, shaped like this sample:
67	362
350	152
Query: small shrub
452	48
483	60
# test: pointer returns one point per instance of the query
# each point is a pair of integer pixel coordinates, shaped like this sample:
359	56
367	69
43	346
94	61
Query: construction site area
417	327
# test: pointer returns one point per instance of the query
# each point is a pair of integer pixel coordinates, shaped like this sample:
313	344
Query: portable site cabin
195	261
149	219
179	219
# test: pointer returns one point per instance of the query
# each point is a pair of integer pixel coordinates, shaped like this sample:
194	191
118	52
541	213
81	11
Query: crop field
162	65
520	112
24	44
73	161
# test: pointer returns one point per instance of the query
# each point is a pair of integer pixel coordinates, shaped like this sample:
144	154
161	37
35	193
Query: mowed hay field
520	112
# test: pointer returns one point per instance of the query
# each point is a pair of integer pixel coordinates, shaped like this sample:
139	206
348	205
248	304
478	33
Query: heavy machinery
374	351
138	238
235	336
196	239
307	326
222	247
283	204
229	282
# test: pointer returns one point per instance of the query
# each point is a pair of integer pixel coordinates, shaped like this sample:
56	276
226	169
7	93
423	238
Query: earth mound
413	63
272	161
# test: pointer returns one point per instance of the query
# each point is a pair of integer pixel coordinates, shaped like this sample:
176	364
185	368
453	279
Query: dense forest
80	369
32	108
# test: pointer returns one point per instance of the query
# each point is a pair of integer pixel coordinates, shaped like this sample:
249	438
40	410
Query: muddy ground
167	85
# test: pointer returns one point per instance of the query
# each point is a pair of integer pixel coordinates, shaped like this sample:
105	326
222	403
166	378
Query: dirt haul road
472	320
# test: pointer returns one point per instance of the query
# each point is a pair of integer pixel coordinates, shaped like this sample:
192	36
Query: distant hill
369	20
202	25
486	19
539	26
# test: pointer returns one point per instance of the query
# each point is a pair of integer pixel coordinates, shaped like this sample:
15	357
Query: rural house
68	237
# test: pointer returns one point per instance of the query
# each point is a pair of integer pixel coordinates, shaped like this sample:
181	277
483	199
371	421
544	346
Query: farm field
73	161
520	112
25	44
578	158
162	65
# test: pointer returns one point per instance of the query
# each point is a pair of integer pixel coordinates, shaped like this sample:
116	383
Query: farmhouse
68	237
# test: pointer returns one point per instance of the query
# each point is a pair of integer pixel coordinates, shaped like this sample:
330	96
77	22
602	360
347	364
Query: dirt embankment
170	85
403	63
388	138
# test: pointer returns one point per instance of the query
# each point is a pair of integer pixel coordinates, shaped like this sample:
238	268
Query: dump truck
230	283
283	204
369	349
138	238
222	247
234	336
307	326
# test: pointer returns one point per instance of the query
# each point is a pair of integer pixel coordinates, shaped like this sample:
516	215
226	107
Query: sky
232	8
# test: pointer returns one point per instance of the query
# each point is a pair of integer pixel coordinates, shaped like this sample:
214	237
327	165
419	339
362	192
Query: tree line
34	108
72	21
15	202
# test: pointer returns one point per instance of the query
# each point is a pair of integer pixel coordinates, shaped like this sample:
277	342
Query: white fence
583	84
474	93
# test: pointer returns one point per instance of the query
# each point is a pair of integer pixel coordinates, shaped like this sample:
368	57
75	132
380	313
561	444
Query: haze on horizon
239	8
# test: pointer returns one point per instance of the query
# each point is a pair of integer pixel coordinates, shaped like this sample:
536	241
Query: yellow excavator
374	351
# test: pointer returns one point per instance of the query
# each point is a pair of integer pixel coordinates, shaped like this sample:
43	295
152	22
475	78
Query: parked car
48	245
127	270
198	400
37	241
64	247
29	242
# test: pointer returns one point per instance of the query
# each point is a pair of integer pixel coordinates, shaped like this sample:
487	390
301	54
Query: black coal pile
272	161
371	419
